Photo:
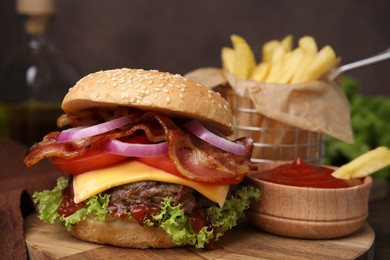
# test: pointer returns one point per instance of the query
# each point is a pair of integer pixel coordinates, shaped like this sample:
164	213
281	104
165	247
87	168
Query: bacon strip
195	159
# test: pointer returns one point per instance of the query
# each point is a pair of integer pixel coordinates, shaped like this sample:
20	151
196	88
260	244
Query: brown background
180	35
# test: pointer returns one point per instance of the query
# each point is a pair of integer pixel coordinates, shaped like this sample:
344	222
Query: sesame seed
168	99
115	84
166	90
181	96
157	89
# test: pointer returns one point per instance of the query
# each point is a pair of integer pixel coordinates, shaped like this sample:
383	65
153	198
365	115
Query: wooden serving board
45	241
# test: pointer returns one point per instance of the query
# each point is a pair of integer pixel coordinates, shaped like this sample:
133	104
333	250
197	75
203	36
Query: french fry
228	59
280	63
276	63
268	50
308	45
245	61
365	164
324	60
290	65
260	72
302	68
277	53
287	42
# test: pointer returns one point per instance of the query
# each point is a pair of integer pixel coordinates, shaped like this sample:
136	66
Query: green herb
370	124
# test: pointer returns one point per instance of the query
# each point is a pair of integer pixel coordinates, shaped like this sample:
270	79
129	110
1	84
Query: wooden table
379	219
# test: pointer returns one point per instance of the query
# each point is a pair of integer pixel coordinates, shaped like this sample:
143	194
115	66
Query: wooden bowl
309	213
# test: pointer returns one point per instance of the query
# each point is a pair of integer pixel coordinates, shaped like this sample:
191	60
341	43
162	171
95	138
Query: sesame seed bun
150	90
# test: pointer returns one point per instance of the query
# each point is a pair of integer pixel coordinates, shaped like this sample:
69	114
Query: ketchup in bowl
298	173
301	200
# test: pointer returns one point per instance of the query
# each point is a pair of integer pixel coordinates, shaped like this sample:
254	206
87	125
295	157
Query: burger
145	162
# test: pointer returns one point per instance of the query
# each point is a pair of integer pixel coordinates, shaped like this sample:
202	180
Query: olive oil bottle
34	77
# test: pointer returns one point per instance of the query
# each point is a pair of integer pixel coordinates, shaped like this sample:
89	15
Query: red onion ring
83	132
136	150
215	140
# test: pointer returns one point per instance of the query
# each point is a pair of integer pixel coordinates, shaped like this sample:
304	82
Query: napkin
17	184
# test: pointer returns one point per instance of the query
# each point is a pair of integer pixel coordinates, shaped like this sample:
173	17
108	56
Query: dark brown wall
179	35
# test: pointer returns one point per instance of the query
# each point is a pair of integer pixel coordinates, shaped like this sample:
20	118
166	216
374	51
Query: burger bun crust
121	233
150	90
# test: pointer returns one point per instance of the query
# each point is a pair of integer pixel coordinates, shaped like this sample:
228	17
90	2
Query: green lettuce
49	200
174	221
370	124
177	225
170	218
226	217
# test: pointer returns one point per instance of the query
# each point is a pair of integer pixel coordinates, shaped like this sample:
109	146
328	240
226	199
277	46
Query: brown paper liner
273	140
286	121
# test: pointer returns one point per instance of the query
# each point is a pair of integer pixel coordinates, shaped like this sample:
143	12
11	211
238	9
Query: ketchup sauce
141	213
298	173
68	206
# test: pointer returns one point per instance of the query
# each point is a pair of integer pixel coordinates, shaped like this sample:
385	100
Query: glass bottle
34	78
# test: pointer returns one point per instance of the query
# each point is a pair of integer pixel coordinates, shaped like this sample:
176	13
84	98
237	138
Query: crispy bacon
196	159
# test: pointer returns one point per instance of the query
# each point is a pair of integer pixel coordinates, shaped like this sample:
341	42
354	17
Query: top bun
150	90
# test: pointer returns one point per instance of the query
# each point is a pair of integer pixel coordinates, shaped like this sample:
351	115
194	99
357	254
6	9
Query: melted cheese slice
91	183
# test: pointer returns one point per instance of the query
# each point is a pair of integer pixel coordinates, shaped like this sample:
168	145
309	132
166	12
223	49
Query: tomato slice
91	160
99	158
163	163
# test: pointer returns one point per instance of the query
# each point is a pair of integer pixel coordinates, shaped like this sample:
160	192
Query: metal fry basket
273	140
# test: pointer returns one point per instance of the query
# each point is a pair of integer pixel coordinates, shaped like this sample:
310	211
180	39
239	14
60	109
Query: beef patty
151	194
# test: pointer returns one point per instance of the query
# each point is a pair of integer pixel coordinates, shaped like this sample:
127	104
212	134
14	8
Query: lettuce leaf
226	217
173	220
49	201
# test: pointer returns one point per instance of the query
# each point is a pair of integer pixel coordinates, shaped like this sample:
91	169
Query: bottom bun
123	233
